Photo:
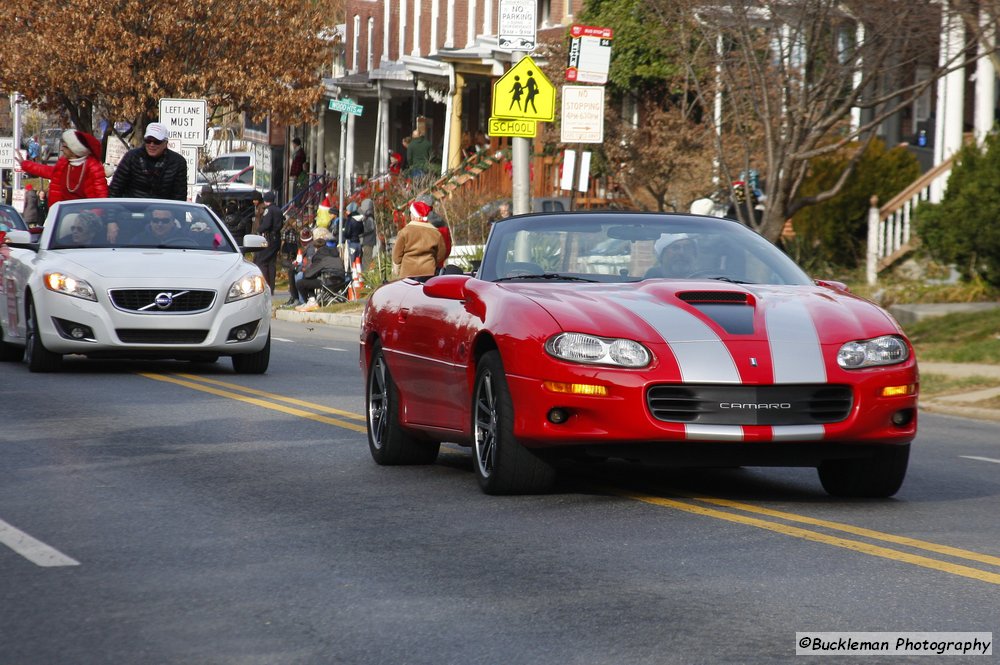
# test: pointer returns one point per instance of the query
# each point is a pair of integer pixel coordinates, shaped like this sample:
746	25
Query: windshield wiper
548	275
722	278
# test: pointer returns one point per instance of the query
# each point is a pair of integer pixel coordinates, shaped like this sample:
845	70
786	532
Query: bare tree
800	79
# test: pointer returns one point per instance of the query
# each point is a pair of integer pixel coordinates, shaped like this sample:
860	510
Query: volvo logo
755	405
164	300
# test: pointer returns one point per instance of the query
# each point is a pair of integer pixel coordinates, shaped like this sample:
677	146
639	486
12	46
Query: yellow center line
207	385
279	398
856	530
805	534
257	402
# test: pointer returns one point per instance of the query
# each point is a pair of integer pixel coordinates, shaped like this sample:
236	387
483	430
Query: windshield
10	220
629	247
161	224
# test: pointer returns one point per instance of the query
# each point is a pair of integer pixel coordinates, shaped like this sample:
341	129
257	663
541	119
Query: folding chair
332	289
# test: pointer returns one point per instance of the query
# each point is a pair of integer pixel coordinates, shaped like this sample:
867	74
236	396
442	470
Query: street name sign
589	54
516	25
346	106
525	129
524	93
582	119
186	120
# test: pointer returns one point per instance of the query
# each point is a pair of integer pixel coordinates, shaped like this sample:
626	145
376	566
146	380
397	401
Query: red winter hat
81	143
420	209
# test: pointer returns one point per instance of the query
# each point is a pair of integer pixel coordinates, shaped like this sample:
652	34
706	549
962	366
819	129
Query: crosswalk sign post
524	93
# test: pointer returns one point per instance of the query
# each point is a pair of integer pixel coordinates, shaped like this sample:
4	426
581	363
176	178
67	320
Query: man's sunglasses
151	141
161	220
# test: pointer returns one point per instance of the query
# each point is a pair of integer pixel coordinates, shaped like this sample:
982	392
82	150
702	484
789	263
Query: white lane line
279	339
981	459
33	549
332	348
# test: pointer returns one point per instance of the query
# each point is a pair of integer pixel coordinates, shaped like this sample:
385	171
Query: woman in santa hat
77	174
419	247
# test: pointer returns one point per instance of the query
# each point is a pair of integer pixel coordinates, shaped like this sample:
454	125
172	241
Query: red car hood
703	311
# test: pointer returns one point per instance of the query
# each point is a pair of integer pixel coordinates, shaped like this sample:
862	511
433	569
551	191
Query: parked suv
227	165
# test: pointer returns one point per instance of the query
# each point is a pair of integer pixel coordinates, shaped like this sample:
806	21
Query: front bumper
107	330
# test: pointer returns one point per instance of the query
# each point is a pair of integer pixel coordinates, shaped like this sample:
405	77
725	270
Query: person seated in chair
676	256
327	257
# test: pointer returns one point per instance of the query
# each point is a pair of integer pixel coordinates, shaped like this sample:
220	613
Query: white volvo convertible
133	278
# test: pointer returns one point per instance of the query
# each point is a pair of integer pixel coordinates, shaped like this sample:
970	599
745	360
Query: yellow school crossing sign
524	93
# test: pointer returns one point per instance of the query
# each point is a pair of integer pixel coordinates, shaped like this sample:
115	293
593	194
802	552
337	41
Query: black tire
254	363
388	442
39	358
503	466
876	477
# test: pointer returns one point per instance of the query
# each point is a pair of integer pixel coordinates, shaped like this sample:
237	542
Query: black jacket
325	258
140	176
270	227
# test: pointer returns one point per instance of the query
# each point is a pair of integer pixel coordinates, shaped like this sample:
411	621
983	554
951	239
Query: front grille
145	336
750	405
162	301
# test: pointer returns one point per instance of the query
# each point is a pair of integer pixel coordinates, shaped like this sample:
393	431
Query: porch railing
890	235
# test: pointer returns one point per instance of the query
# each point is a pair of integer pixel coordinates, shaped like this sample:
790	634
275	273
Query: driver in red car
676	256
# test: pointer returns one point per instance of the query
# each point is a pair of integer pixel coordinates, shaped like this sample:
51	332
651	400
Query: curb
326	318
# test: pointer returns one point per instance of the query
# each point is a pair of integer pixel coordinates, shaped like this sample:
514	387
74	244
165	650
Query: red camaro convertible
675	338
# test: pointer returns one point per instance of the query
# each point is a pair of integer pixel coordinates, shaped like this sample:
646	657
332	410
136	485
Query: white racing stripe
33	549
797	432
796	354
701	355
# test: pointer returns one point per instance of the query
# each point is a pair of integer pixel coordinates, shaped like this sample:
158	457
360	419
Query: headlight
581	348
887	350
62	283
246	286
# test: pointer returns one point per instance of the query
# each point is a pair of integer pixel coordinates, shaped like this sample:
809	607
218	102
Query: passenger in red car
419	247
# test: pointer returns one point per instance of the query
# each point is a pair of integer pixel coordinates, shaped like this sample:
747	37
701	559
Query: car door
438	334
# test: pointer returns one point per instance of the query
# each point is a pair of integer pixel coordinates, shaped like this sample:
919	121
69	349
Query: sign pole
341	183
521	154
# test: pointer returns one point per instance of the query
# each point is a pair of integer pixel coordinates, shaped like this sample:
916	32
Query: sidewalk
967	404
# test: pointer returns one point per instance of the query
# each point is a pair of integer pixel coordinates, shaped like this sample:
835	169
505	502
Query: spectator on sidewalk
297	170
419	246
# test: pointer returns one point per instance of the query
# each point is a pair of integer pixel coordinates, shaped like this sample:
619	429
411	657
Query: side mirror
20	239
448	287
831	284
252	242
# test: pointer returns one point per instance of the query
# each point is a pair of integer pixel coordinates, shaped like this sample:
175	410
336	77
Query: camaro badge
753	362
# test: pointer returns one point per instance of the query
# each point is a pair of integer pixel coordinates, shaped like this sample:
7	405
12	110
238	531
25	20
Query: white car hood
135	263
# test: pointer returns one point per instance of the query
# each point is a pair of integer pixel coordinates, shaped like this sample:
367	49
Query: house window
354	44
544	13
371	44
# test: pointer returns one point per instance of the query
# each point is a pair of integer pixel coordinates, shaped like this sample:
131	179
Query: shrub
836	231
962	229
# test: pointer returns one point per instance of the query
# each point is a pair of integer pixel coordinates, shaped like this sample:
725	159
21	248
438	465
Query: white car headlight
245	287
885	350
593	350
60	282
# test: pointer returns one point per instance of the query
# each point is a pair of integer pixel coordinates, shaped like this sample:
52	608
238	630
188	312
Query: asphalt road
174	513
